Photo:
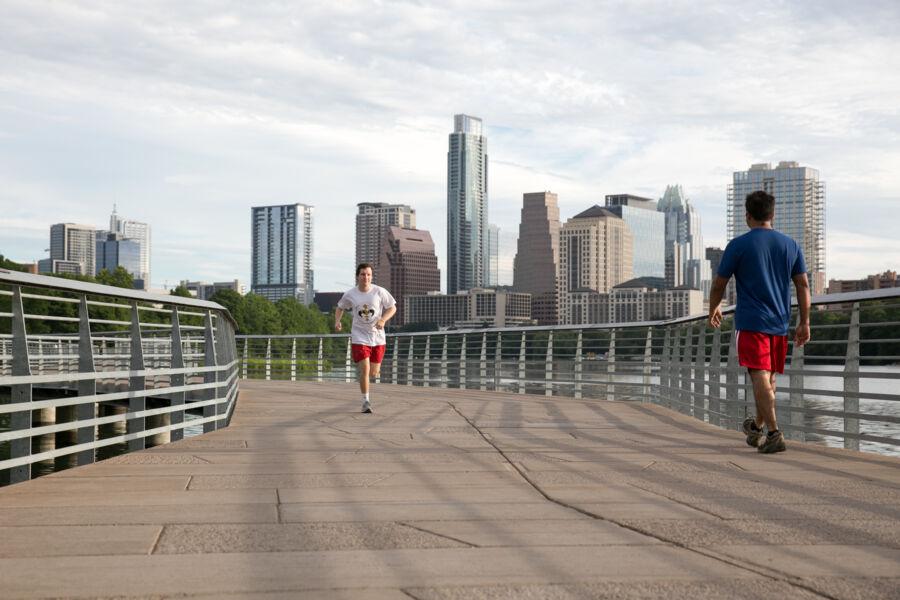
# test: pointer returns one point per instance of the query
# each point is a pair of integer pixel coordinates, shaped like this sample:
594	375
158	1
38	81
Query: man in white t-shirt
372	307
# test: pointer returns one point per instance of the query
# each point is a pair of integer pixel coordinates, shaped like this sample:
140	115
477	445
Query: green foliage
9	265
181	291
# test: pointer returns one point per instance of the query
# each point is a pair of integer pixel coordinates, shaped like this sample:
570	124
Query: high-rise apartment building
537	255
684	242
116	251
467	206
140	233
714	256
407	266
72	250
372	223
648	228
282	253
799	209
493	256
595	253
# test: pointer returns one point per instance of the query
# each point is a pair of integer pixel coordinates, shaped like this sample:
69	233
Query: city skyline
185	127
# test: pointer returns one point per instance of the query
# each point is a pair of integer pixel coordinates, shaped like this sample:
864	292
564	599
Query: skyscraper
116	251
408	266
799	209
648	228
537	255
72	250
372	223
684	242
493	255
595	253
282	252
467	206
140	233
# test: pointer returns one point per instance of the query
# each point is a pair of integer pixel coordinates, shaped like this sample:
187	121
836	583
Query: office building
888	279
282	253
714	256
799	209
467	206
408	266
647	227
470	308
204	290
634	301
72	250
493	256
595	253
537	255
116	251
684	242
372	222
137	232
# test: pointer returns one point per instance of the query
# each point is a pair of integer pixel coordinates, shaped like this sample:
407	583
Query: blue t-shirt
763	261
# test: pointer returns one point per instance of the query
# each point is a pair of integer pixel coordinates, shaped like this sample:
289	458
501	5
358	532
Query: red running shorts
761	350
374	353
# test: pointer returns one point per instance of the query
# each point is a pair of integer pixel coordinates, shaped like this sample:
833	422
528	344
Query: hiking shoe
754	434
774	442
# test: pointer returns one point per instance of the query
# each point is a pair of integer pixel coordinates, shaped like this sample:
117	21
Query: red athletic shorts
761	350
373	353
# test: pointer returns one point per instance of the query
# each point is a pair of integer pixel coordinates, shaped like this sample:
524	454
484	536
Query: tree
118	278
261	316
181	291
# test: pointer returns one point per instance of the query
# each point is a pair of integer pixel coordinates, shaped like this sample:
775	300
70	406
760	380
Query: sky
186	114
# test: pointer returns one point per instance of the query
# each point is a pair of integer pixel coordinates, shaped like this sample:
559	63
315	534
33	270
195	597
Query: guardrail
839	389
89	370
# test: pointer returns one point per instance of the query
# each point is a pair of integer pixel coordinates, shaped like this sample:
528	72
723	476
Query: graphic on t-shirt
366	313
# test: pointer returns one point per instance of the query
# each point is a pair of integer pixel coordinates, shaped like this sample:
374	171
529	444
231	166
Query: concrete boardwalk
451	494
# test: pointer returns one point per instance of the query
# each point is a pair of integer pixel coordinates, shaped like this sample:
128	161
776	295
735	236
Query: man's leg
375	371
363	367
764	394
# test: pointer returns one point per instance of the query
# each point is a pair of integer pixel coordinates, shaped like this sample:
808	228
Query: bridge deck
445	494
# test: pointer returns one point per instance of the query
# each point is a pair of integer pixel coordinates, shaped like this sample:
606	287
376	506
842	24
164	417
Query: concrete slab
820	560
24	541
139	515
443	511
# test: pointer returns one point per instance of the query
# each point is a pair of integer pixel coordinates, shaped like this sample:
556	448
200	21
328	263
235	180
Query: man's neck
760	224
364	287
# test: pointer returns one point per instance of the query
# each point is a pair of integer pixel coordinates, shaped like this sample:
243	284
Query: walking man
763	262
372	307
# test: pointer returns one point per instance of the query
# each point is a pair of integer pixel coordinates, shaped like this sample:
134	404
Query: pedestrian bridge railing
88	371
841	388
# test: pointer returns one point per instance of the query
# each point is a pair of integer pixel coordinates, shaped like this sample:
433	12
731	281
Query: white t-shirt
366	308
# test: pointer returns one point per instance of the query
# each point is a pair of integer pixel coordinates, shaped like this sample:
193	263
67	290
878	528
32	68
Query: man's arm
804	299
338	313
716	293
386	316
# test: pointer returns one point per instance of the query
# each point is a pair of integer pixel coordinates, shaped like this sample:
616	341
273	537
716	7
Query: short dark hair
362	266
760	206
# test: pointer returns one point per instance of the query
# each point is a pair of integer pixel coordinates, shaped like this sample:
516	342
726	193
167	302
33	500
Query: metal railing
839	389
90	371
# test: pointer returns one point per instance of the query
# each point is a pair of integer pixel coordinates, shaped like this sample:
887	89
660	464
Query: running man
763	262
372	306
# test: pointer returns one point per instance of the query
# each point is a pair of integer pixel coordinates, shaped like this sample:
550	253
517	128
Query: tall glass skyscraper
467	206
282	252
138	232
799	209
117	251
648	228
685	254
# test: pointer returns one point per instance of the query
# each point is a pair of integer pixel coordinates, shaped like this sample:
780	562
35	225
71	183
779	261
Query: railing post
212	376
348	364
444	363
798	413
136	382
482	364
548	367
498	360
246	356
268	359
219	342
320	363
579	366
611	367
177	379
294	359
21	392
522	364
734	406
86	387
409	361
715	381
646	369
699	401
426	366
684	374
851	381
665	370
462	363
394	360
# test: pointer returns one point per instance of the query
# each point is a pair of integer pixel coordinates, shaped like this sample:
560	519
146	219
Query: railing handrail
73	285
